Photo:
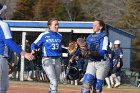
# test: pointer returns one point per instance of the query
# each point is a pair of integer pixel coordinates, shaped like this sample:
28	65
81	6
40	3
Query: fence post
22	58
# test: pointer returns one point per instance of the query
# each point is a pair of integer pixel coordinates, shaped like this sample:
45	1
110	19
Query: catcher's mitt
81	42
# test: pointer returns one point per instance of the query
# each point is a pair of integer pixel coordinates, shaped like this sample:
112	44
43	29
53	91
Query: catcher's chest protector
93	41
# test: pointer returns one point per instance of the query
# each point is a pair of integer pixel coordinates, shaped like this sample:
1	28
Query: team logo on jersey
53	40
47	36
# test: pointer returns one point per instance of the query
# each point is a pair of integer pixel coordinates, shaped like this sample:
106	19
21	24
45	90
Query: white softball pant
4	80
98	69
52	67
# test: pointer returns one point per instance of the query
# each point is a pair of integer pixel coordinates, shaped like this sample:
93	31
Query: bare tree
112	10
71	7
91	8
108	10
11	4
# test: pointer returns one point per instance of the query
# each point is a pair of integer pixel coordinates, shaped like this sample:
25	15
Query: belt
98	60
52	57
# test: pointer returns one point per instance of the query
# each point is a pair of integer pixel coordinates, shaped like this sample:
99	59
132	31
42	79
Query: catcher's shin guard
83	90
94	86
99	86
87	82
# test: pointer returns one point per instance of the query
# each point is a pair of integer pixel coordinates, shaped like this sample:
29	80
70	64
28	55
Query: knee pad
94	83
88	78
99	84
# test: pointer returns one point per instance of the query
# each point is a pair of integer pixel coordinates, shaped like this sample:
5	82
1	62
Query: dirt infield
34	87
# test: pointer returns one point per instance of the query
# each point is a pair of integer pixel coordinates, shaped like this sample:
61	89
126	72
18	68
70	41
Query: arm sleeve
104	45
121	53
77	52
13	46
37	42
7	38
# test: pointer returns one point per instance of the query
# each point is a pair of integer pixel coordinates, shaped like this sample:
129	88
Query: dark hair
101	23
50	21
1	6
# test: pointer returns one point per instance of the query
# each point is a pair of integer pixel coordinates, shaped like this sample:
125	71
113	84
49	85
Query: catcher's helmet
72	72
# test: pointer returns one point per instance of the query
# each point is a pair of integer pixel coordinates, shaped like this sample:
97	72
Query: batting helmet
117	42
72	72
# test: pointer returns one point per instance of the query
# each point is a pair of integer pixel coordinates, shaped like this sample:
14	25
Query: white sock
34	74
116	80
29	74
111	80
107	82
119	78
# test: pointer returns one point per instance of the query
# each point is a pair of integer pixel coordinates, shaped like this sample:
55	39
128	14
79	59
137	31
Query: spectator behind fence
7	41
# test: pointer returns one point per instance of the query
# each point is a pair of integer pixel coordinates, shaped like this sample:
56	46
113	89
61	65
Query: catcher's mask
72	72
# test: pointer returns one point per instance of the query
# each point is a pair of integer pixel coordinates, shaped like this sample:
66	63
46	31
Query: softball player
111	54
7	42
51	52
98	66
117	64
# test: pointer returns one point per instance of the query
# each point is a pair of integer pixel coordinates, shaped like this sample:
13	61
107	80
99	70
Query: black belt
52	57
97	60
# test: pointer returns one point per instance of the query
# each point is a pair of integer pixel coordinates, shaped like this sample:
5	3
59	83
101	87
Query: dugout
29	30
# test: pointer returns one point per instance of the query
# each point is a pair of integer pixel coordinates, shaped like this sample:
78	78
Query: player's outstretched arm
27	55
7	38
